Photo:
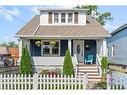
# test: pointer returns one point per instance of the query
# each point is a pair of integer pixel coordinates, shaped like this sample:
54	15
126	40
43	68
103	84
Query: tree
102	18
25	63
68	68
10	44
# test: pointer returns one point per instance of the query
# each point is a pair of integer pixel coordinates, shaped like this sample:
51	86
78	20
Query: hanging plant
38	43
52	43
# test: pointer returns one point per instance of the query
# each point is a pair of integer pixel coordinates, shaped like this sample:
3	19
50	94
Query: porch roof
91	29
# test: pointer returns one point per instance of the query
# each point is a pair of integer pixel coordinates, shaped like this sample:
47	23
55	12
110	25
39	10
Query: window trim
50	54
108	53
113	49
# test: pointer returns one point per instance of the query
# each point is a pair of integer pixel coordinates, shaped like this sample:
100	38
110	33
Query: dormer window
56	17
69	17
62	17
76	17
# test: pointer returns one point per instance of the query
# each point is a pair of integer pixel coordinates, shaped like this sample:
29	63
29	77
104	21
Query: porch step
91	70
87	65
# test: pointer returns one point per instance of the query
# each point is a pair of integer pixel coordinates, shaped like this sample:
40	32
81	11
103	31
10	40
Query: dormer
58	16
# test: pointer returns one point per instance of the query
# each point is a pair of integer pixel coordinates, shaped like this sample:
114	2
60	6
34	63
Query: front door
79	50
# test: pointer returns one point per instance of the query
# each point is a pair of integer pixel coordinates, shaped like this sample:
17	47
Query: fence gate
42	82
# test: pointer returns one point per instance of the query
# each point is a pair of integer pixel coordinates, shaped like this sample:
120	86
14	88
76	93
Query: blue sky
9	25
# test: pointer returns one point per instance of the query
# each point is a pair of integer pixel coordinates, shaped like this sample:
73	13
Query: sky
10	25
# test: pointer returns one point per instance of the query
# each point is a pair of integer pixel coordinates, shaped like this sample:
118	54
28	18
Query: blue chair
89	59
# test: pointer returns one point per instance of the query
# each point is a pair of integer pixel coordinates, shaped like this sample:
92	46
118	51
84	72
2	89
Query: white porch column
20	48
104	50
69	45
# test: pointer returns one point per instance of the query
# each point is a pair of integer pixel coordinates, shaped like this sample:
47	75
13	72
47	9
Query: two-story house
49	34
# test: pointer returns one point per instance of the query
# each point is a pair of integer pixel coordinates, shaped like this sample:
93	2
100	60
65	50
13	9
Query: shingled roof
91	29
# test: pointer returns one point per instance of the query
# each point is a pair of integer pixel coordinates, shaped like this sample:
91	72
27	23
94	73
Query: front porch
46	54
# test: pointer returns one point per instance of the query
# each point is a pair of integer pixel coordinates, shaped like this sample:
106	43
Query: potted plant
52	43
38	43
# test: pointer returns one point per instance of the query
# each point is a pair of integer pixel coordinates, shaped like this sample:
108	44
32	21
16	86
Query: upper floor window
62	17
50	17
113	50
56	17
76	17
69	17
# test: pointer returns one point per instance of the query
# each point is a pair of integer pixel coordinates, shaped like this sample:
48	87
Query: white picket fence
117	82
42	82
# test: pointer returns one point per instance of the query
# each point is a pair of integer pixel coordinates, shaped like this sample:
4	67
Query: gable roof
119	29
91	29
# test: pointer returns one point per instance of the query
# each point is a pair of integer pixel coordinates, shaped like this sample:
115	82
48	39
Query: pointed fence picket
42	82
116	82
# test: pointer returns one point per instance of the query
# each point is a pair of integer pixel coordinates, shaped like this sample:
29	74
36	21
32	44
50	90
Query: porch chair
89	59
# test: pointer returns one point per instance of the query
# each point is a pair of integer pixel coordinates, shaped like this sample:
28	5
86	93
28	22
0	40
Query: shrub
68	68
103	85
104	63
44	72
25	63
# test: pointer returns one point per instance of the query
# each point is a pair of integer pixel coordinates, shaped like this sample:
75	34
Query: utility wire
12	15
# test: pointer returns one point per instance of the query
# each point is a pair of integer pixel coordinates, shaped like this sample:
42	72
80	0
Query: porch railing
98	63
76	63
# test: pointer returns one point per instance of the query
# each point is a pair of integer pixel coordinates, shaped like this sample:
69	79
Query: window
76	17
62	17
69	17
46	48
108	51
50	49
56	17
113	50
55	49
50	17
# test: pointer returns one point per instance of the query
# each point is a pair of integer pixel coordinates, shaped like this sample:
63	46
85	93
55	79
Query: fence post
108	81
85	80
35	81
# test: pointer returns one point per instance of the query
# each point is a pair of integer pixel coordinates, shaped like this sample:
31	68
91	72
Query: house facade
117	46
49	34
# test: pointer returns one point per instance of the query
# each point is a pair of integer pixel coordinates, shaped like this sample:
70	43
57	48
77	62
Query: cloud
14	12
35	10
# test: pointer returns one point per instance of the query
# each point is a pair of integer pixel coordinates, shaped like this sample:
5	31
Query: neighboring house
117	51
4	53
14	54
49	34
9	53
